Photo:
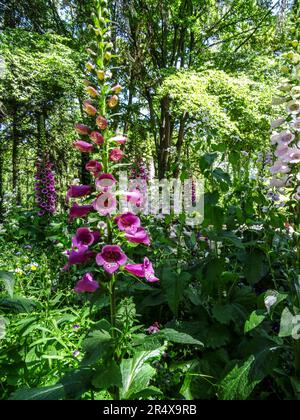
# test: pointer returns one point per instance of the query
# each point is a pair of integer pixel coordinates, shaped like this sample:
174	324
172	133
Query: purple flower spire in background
45	187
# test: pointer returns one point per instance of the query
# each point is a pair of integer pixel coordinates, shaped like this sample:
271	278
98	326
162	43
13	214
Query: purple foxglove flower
139	237
119	139
101	122
76	191
81	256
153	328
86	284
111	258
82	129
79	211
115	155
117	88
83	237
113	101
91	91
128	222
105	181
83	146
135	197
105	204
142	270
96	137
89	108
94	167
292	155
297	195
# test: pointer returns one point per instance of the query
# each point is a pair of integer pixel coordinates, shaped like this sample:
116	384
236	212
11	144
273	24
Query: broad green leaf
107	375
288	323
98	343
174	285
53	392
255	267
137	373
255	319
236	385
18	305
8	281
178	337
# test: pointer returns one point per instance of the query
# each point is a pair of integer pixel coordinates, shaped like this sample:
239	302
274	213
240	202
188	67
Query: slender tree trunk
165	137
1	183
179	143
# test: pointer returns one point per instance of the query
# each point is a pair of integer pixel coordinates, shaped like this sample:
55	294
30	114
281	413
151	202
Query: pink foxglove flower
80	256
82	129
101	122
77	191
94	167
97	138
105	181
83	146
105	204
280	167
135	197
142	270
119	139
117	88
91	91
128	222
86	284
139	237
77	211
89	108
115	155
111	258
293	155
85	237
153	328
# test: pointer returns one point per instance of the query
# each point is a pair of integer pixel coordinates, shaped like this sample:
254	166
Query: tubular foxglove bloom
77	211
128	222
91	91
111	258
101	122
119	139
112	101
45	188
138	237
117	88
142	270
89	108
85	237
80	256
105	181
83	146
82	129
86	284
78	191
97	138
94	167
115	155
105	204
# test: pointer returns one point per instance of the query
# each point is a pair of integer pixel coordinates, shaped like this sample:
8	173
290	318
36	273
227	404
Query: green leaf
137	373
255	267
107	376
236	385
18	305
174	285
98	344
178	337
255	319
53	392
8	281
287	323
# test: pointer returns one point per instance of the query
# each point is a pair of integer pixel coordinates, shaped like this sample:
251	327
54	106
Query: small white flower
270	301
293	107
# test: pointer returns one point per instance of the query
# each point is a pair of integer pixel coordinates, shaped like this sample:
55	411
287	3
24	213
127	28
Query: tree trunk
165	137
179	143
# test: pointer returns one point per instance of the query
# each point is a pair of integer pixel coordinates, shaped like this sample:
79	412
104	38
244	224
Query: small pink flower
105	181
80	256
116	155
94	167
86	284
97	138
91	91
281	150
128	222
117	88
113	101
142	270
119	139
293	155
138	237
279	167
83	146
77	211
101	122
111	258
85	237
153	328
135	197
82	129
89	108
76	191
105	204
